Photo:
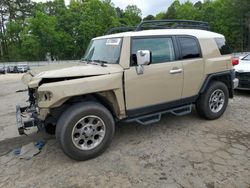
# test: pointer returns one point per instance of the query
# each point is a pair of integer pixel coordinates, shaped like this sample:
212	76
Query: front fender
63	90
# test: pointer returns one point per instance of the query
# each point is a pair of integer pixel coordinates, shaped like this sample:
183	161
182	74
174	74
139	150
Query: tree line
29	31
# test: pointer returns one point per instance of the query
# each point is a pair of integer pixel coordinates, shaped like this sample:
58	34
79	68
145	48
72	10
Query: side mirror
143	58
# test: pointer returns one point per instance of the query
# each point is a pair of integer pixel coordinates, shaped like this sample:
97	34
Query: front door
162	80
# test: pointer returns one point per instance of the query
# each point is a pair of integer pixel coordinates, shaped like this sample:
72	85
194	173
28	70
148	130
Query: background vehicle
133	77
243	72
12	69
2	69
21	68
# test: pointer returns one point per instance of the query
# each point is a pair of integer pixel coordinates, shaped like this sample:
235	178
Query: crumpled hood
69	70
242	67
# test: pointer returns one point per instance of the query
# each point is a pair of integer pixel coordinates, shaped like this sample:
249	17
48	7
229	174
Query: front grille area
244	79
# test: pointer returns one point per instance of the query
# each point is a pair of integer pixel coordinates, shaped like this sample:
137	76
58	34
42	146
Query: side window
162	49
223	46
189	48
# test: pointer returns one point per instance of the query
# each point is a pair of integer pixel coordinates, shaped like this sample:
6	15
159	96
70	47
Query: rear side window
223	46
189	48
162	48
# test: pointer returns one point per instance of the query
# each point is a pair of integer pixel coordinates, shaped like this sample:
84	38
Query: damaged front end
27	117
49	90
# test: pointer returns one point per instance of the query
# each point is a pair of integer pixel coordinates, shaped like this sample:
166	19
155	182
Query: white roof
193	32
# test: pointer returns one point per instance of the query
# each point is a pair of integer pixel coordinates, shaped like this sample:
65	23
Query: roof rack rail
172	24
116	29
163	24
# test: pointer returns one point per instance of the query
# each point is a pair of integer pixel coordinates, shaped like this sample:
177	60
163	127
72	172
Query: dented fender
61	91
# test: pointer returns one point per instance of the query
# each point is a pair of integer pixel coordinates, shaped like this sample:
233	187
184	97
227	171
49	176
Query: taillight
235	61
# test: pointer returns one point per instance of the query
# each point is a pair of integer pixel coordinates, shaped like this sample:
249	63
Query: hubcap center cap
88	131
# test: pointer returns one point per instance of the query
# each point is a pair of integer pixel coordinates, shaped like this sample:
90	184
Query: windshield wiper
95	62
85	60
101	62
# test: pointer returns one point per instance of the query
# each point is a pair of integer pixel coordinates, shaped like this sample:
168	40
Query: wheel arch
226	77
107	98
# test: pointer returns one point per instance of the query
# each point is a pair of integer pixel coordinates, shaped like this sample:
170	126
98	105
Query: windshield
105	50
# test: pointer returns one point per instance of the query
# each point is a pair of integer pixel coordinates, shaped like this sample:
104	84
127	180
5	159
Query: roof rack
164	24
172	24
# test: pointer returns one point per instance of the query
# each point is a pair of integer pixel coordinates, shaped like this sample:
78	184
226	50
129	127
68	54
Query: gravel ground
176	152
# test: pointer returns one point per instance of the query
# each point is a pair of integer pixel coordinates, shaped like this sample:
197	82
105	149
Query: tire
68	126
211	98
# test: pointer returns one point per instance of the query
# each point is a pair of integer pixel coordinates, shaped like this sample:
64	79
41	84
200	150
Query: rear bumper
244	80
25	118
243	85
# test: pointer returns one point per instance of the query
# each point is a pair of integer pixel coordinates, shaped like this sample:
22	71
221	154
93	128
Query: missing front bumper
25	119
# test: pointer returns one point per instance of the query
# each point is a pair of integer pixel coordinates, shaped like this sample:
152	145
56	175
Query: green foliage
228	17
132	15
51	27
31	48
160	16
28	31
149	17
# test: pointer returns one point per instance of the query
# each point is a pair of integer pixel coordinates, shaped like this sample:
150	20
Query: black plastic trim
169	24
230	73
191	24
160	107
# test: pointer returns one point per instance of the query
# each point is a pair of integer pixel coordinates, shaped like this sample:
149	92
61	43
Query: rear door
162	80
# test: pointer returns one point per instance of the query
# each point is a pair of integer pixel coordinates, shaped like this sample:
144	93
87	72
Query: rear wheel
213	102
85	130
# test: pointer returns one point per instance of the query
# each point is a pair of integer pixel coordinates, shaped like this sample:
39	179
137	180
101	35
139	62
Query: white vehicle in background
242	69
22	68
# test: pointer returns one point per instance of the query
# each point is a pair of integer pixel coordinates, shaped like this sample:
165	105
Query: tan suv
130	76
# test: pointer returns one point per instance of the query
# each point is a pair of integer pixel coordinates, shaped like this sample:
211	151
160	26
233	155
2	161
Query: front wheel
85	130
213	102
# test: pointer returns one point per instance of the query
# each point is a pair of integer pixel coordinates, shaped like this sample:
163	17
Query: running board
156	117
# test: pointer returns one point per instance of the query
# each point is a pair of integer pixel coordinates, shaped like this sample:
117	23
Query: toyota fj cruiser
161	67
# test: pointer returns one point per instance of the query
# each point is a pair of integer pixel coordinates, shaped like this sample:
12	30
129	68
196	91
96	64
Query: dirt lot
177	152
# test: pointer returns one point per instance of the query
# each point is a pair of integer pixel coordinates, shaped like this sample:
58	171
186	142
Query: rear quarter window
223	46
189	48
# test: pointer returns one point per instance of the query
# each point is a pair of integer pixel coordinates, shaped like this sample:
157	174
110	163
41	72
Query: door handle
176	71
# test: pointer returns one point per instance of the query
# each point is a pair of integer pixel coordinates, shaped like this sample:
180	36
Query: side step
156	117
